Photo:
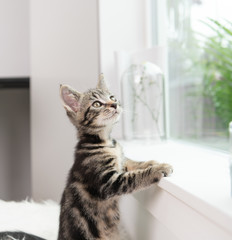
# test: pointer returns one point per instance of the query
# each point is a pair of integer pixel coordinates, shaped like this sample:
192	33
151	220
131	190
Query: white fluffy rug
40	219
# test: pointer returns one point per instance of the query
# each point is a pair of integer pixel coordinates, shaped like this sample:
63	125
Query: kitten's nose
114	105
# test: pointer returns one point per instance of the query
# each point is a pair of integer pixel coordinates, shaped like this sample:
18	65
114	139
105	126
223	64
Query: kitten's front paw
161	170
150	163
165	169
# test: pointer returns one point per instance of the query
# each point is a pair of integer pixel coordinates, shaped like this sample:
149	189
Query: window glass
199	39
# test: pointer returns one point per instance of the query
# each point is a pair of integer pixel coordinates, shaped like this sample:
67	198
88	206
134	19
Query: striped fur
100	173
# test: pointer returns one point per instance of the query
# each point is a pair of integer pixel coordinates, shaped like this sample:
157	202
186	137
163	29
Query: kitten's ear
71	98
101	83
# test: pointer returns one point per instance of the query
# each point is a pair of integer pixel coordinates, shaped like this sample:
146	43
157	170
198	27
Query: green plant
216	64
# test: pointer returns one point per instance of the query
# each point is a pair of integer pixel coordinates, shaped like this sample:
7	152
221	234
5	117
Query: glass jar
143	102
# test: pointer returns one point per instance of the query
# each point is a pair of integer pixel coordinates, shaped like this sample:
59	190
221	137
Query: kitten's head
97	108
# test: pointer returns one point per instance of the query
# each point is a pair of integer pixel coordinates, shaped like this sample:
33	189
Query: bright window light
199	41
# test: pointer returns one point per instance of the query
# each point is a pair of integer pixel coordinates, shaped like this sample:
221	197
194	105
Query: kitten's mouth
115	114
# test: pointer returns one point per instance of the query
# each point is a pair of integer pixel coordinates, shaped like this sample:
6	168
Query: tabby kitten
100	173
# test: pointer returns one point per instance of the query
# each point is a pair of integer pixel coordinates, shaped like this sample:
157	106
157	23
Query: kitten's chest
116	150
117	153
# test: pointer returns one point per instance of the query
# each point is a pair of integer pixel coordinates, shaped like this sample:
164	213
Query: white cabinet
155	214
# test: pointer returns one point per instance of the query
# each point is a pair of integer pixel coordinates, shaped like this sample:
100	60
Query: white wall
64	49
14	103
14	38
122	28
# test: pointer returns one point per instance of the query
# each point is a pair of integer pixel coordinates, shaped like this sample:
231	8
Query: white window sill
201	177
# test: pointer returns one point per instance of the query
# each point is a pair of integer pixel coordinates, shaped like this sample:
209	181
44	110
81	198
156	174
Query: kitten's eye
113	98
97	104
